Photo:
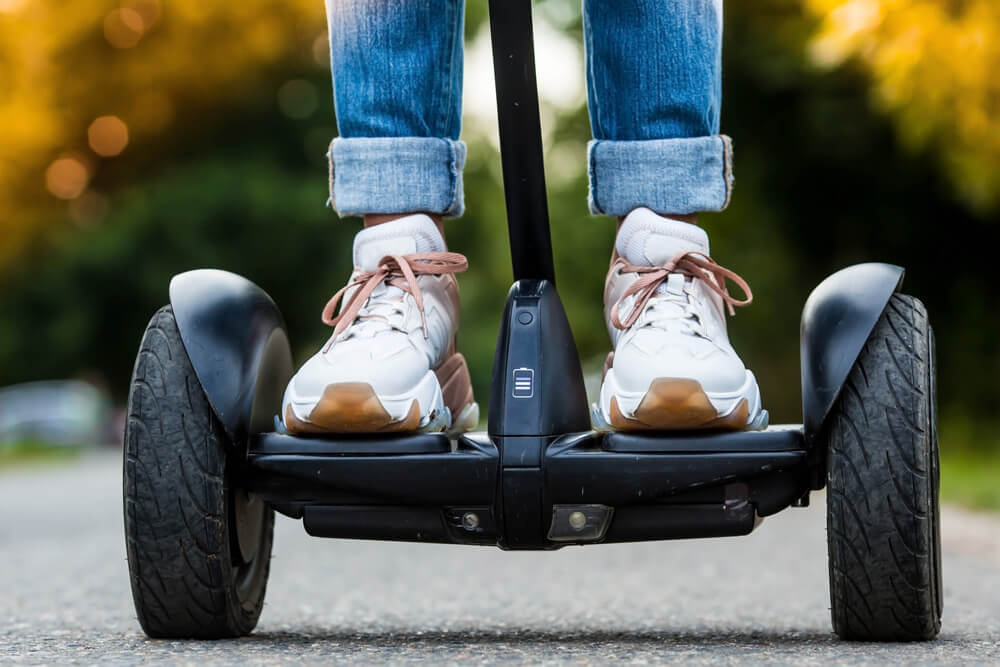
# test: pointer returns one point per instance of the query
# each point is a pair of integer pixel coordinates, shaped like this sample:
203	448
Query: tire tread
175	499
882	510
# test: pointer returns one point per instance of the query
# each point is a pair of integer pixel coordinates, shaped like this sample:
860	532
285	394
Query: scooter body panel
837	320
235	337
537	394
537	385
424	488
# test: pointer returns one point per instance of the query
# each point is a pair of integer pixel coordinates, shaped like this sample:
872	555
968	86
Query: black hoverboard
207	465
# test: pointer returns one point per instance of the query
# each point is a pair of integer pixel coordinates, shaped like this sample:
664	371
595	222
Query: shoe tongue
412	234
648	239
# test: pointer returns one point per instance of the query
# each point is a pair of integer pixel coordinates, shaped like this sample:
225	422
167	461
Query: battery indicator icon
524	383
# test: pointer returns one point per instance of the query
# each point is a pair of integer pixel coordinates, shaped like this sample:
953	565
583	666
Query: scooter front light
579	523
470	521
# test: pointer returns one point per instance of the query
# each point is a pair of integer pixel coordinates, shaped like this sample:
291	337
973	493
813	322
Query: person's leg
654	92
391	364
397	77
656	161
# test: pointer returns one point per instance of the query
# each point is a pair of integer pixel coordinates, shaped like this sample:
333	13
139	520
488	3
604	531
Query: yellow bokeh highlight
67	178
10	6
934	67
148	10
321	49
108	136
123	28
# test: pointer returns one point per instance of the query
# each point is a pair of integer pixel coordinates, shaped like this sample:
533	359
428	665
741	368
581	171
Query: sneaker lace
398	271
688	263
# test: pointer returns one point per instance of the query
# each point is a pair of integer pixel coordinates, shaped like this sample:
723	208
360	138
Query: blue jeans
653	90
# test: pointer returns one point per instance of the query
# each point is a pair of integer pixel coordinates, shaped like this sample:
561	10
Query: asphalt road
64	594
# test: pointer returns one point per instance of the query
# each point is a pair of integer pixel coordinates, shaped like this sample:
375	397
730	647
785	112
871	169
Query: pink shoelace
398	271
687	263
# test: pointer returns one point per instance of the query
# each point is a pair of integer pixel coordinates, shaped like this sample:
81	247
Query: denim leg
654	90
397	81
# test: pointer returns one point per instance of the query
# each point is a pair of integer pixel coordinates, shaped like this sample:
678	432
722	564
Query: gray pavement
64	594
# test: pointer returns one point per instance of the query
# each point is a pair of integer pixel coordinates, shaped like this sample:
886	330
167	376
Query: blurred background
143	138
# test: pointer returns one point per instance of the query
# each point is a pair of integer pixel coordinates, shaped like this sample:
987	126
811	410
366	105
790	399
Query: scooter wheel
883	519
199	548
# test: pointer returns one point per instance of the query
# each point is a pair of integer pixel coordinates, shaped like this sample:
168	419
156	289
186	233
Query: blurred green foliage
233	183
34	453
970	479
970	459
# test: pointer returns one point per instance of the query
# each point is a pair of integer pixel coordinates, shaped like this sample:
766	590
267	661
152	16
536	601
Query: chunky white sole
678	404
355	407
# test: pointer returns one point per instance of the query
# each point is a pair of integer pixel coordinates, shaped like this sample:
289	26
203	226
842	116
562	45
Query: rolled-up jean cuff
666	175
397	175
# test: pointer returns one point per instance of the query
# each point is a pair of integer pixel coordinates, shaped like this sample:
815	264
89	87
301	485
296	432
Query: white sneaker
672	366
391	364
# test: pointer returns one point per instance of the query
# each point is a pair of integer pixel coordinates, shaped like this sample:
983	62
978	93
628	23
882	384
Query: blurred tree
155	68
934	67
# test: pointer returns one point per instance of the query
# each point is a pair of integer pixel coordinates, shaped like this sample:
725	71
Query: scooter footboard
583	488
422	487
623	487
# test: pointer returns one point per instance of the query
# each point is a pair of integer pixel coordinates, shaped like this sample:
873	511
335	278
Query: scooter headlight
579	523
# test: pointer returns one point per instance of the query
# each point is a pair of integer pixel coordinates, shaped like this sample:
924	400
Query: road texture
64	594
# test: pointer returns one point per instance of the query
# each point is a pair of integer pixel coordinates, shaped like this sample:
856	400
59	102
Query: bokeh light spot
123	28
108	136
10	6
297	99
89	208
148	10
321	50
67	178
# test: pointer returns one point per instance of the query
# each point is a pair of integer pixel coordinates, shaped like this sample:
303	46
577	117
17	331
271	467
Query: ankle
373	219
690	218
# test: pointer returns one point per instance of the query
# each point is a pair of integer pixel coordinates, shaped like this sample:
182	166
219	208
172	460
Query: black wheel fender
235	338
837	320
